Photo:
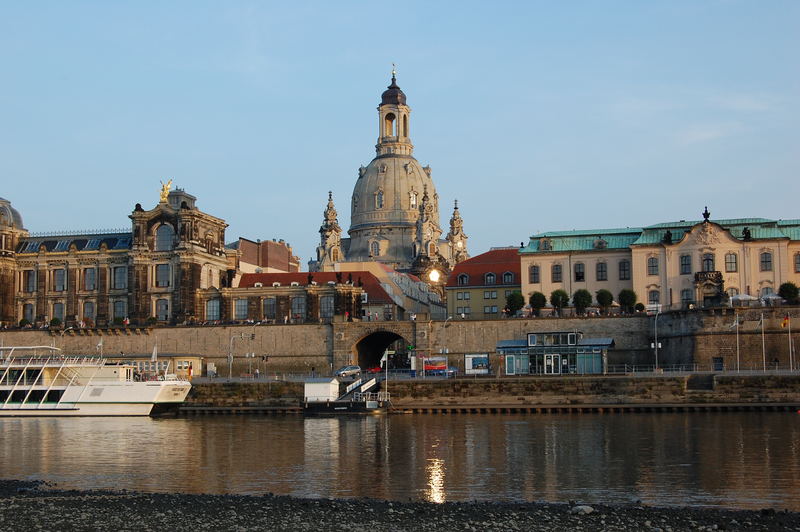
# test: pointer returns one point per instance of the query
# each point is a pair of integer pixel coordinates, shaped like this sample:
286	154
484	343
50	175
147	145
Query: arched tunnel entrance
369	350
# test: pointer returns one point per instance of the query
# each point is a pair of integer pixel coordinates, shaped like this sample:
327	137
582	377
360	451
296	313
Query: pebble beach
40	506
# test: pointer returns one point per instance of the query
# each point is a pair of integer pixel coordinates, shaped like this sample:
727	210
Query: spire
330	220
456	237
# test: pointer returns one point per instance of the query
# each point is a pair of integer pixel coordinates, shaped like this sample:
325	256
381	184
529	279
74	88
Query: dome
393	94
9	215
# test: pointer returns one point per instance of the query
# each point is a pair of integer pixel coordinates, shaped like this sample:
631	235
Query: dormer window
545	244
463	279
508	278
490	278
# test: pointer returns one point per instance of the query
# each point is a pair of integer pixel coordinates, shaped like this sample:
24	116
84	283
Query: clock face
434	276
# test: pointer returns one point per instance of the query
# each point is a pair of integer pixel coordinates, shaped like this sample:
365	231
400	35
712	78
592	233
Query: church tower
456	239
329	249
388	193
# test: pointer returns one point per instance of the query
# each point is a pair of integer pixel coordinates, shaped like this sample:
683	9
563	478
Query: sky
535	116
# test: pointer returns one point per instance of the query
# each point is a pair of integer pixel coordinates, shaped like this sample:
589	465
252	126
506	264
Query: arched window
580	272
489	278
797	262
389	125
463	279
533	275
405	125
165	237
508	278
766	291
731	262
412	199
654	297
555	273
379	199
375	249
766	261
652	266
162	310
624	270
602	271
708	262
212	309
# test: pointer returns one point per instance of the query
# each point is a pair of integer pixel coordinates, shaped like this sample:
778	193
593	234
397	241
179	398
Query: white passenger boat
39	381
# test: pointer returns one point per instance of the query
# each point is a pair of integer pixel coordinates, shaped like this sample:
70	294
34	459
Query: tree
627	299
604	299
559	299
514	302
581	299
538	300
789	292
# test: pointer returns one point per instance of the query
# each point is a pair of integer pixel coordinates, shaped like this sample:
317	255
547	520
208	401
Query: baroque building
394	209
153	272
674	265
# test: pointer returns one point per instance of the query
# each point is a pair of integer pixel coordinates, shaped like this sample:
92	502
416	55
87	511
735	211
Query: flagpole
763	344
736	321
791	358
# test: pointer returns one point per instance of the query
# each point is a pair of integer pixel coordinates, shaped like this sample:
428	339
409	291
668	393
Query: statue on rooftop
165	190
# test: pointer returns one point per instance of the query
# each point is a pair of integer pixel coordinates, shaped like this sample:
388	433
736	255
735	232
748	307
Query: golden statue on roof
165	190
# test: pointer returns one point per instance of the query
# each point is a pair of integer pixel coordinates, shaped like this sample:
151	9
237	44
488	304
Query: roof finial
394	71
706	214
330	195
456	202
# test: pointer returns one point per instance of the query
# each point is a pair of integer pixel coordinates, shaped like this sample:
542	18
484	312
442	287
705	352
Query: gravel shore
38	506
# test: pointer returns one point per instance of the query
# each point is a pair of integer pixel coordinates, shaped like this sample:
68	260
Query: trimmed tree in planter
604	299
559	299
581	299
538	301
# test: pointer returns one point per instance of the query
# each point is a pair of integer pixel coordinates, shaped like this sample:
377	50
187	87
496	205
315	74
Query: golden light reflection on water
435	471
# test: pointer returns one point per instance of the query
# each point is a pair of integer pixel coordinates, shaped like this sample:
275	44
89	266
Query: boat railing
360	397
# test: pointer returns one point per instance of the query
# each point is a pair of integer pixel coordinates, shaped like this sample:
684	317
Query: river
734	460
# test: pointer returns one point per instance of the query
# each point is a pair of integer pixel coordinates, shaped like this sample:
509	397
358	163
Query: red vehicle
374	369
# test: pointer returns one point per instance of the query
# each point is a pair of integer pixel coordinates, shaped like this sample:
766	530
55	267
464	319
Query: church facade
394	209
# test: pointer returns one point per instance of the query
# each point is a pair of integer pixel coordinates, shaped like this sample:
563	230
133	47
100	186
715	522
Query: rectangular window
459	296
59	280
299	308
162	275
797	262
686	264
88	310
652	266
490	310
29	280
731	262
326	307
270	308
466	296
162	310
533	275
27	312
556	273
89	278
240	309
467	310
459	310
212	309
58	311
766	261
120	279
120	309
624	270
580	274
602	271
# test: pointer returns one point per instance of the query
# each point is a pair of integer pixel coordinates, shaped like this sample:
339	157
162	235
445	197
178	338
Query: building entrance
552	364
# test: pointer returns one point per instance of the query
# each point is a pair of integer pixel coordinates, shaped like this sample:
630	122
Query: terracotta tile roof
496	261
369	282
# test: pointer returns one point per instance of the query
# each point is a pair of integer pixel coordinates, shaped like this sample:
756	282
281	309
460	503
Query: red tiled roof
369	282
496	261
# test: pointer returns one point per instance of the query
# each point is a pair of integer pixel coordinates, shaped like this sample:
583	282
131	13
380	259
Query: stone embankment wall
614	390
700	336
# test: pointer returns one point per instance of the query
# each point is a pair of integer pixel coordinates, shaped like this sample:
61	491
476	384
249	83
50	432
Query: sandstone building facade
676	265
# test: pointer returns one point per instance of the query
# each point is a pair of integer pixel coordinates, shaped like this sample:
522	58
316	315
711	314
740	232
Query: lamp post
655	335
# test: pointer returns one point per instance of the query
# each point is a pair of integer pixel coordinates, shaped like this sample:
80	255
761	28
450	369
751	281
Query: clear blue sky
536	116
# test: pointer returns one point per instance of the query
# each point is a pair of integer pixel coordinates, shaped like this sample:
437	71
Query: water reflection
722	459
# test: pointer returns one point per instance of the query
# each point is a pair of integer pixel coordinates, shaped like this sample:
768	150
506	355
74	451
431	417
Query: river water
736	460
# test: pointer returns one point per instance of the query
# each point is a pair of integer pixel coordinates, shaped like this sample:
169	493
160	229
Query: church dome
9	215
393	94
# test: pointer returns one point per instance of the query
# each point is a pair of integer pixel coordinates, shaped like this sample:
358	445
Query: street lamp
655	335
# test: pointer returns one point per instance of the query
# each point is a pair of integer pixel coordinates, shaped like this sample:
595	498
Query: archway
370	349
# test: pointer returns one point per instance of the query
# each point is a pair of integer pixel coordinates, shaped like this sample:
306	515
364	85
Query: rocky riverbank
38	506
